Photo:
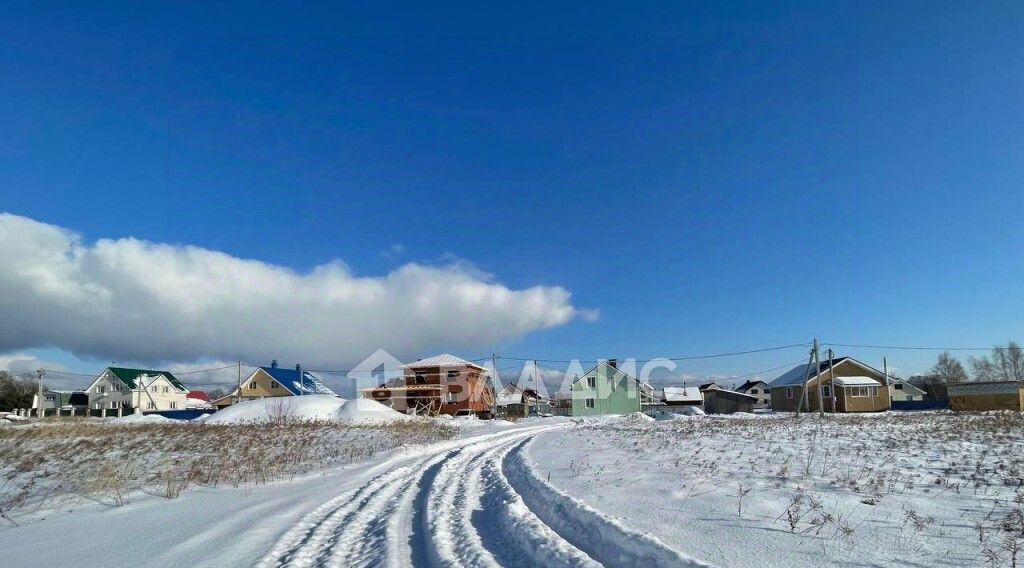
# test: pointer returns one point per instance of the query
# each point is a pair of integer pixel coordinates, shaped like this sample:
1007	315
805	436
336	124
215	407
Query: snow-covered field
928	489
896	489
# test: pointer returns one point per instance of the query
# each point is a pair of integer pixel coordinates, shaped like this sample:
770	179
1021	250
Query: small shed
987	395
721	401
682	396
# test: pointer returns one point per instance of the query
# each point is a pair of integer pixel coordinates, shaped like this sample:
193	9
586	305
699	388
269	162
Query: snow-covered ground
929	489
896	489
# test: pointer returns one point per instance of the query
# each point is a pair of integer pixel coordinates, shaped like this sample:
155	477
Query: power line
906	348
686	358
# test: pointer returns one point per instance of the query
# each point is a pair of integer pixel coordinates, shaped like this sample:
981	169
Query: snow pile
143	419
280	409
366	411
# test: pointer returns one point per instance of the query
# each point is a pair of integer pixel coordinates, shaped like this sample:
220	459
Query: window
174	405
859	392
789	392
826	391
591	384
753	391
252	385
453	374
899	386
421	378
114	404
150	406
166	389
589	403
874	392
274	385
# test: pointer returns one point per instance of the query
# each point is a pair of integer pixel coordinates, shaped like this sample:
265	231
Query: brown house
987	395
443	384
856	387
273	381
721	401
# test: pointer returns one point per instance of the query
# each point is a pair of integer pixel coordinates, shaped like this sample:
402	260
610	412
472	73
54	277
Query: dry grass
49	464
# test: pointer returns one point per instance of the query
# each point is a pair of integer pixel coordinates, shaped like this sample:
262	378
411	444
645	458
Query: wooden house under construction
443	384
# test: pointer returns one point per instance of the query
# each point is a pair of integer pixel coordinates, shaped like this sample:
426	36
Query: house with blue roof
274	381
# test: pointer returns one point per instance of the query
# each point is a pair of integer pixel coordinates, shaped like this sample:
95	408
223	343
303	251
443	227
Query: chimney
613	363
298	367
273	364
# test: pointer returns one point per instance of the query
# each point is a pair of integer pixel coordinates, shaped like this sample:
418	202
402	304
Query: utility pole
832	378
807	377
238	390
821	388
494	386
885	369
40	412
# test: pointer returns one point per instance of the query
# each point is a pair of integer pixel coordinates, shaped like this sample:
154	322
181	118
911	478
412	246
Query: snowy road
473	501
478	504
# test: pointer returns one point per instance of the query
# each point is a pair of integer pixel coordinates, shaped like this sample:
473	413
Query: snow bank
366	411
143	419
311	407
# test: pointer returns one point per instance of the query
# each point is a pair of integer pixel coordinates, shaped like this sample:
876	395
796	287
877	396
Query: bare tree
15	392
1004	364
948	369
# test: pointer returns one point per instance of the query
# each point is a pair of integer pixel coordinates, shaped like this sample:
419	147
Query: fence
187	414
940	404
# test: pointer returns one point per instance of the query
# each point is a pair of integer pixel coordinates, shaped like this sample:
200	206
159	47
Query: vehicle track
471	502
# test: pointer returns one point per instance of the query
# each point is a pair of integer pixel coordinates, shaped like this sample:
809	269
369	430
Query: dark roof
706	386
289	379
748	385
797	376
128	376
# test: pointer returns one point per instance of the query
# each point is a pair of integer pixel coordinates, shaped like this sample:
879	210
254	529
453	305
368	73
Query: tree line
1004	363
15	392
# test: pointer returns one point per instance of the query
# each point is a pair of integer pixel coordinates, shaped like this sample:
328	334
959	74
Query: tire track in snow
469	502
604	538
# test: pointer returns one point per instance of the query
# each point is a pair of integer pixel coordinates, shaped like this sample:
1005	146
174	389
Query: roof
906	383
129	376
707	386
289	379
198	395
643	385
856	382
797	376
682	394
732	393
442	360
749	385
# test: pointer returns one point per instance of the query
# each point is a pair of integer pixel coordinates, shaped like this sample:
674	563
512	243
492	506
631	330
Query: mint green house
606	389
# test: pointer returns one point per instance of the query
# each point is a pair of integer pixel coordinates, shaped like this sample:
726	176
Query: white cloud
128	299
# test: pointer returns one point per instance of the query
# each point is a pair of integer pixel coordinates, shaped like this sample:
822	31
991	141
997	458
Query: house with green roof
136	390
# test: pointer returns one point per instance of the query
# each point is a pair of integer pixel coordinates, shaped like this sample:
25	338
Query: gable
130	376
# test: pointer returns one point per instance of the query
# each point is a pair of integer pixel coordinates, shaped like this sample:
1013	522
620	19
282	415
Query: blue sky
709	177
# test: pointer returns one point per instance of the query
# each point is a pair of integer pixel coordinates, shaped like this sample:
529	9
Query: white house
759	390
900	390
137	389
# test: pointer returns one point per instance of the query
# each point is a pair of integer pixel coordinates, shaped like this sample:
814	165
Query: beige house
136	389
856	387
273	381
989	395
